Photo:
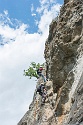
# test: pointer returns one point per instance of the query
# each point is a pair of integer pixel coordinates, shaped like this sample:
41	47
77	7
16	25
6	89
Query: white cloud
14	58
48	15
22	48
4	18
33	14
43	1
46	5
32	10
5	12
32	7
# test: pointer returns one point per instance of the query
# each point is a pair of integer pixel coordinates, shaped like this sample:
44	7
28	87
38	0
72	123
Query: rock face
63	42
64	68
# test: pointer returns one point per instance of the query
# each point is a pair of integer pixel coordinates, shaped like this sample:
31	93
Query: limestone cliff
64	68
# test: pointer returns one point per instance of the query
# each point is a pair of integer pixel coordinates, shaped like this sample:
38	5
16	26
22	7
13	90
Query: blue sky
24	28
22	11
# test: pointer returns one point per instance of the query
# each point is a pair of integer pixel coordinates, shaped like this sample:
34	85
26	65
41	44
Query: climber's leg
43	77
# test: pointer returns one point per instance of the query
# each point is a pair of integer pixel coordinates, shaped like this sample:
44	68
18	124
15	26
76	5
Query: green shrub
32	70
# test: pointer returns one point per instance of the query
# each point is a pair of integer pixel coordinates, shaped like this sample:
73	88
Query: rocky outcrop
62	53
63	42
40	114
64	69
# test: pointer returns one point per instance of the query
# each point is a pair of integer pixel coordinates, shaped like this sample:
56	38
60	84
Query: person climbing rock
39	72
42	91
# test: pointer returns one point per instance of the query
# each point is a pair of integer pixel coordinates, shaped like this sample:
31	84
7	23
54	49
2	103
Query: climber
39	72
42	91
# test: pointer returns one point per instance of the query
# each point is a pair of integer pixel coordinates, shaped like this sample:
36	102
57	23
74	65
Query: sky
24	28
